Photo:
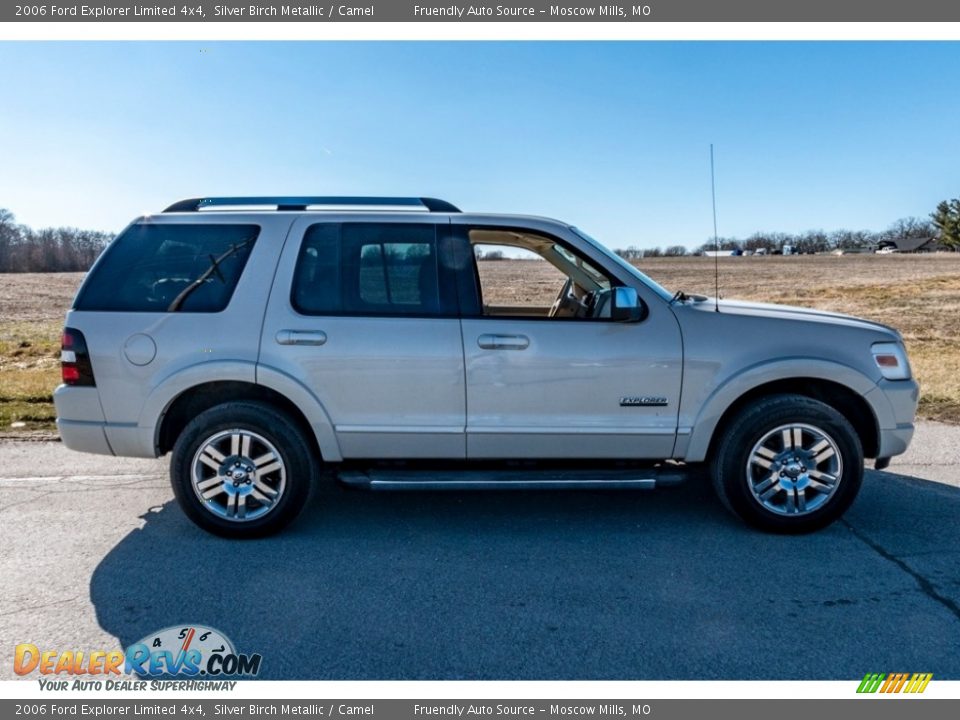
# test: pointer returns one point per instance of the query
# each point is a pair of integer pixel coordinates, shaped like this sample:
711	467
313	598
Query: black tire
731	473
299	468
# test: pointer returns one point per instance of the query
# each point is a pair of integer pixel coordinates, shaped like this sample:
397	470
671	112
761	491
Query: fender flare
309	404
172	386
733	388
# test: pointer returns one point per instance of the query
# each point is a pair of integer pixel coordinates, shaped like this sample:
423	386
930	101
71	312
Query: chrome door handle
503	342
301	337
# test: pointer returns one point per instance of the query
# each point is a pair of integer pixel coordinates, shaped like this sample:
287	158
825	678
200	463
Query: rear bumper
83	428
88	437
80	419
106	439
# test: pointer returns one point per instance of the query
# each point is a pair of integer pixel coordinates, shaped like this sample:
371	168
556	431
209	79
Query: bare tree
23	249
909	228
630	253
9	239
812	241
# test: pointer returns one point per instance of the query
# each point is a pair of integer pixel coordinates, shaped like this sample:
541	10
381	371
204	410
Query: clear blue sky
613	137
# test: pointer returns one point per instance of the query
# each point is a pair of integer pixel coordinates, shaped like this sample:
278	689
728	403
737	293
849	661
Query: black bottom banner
875	708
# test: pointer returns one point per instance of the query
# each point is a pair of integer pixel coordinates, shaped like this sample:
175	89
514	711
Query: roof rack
305	203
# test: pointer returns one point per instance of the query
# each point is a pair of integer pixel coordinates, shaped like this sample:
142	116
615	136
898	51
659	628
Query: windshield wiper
213	269
679	295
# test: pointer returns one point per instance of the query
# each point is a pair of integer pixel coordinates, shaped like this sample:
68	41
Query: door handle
301	337
503	342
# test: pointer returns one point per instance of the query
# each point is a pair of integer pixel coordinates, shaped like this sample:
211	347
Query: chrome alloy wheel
794	469
238	475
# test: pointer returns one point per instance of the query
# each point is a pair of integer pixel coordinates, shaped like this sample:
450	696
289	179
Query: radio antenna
716	238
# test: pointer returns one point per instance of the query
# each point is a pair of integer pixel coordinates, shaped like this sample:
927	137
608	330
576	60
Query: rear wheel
788	463
242	469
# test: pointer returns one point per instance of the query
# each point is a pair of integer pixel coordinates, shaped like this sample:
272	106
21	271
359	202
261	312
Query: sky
612	137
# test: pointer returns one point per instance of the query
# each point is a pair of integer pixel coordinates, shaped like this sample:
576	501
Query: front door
549	373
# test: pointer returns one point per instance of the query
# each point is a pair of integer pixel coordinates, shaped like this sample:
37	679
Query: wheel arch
290	397
842	388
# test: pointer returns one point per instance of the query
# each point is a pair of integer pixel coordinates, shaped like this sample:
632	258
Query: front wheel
788	463
242	469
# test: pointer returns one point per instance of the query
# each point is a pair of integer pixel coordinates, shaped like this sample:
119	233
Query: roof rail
303	203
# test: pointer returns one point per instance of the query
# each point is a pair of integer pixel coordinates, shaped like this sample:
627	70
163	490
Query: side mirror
626	305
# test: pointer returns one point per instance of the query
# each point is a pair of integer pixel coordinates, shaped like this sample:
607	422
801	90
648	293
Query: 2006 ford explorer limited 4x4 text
263	340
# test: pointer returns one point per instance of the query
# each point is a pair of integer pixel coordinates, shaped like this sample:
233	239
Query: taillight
75	367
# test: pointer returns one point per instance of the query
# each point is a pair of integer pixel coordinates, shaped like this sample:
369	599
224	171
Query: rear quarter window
168	267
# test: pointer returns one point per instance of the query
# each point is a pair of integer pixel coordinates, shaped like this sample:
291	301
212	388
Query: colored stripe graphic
919	684
894	682
870	683
900	682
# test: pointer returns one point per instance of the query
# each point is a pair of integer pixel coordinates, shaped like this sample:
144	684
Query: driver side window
521	274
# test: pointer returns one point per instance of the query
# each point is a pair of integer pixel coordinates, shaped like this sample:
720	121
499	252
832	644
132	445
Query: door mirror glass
626	305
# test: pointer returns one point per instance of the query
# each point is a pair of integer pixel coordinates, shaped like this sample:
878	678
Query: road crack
926	586
41	606
27	501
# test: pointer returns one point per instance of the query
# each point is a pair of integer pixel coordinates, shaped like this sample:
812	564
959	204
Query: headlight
891	358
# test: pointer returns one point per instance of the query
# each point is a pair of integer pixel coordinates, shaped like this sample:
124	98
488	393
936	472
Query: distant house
720	253
912	245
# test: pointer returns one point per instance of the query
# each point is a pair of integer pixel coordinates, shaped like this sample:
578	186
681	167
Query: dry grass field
917	294
31	317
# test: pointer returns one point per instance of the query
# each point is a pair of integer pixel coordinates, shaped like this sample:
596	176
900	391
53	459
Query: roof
911	244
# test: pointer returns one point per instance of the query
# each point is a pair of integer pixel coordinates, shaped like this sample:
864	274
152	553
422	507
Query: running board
604	479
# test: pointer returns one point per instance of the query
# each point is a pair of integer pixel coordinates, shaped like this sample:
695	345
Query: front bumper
895	441
895	405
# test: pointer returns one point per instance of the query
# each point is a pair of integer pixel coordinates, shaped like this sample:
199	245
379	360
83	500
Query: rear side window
169	268
371	269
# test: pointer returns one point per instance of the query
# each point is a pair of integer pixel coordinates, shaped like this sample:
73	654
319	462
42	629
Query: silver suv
259	340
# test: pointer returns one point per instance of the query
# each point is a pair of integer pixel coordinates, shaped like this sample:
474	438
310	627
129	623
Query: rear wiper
679	295
214	269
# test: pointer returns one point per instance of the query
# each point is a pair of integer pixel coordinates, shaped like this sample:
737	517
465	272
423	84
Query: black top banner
468	709
530	11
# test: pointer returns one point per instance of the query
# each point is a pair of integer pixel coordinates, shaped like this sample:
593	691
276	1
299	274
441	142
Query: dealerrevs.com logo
194	652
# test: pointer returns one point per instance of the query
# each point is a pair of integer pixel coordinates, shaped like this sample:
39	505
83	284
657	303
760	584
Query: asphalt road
575	585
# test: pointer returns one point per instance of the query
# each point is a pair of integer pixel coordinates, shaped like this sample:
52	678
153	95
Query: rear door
364	313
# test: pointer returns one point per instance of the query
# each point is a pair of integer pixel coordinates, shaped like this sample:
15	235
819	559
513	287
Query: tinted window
316	281
369	269
163	268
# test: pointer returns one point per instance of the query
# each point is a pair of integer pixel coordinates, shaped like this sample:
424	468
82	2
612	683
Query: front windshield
652	284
